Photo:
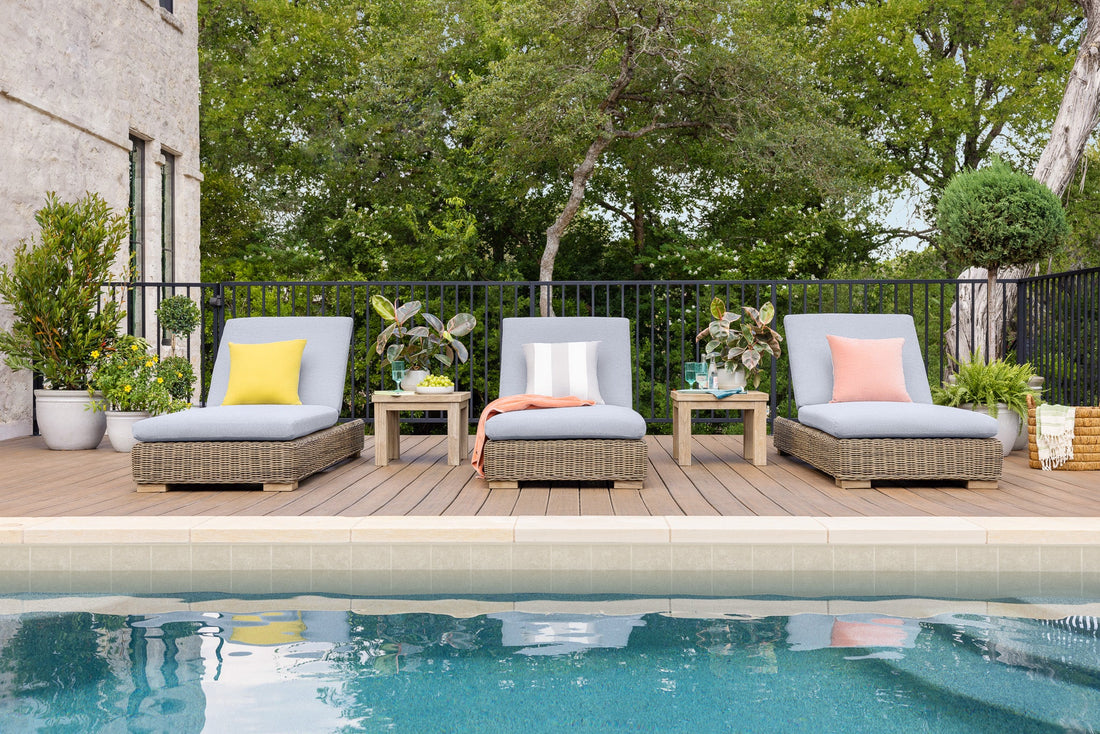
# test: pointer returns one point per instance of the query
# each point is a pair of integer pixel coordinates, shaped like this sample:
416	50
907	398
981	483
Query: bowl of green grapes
435	385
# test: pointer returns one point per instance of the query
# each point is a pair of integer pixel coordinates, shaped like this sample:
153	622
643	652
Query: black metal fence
1058	319
1058	331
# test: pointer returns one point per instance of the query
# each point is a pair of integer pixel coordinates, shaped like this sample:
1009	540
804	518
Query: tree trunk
581	175
1076	119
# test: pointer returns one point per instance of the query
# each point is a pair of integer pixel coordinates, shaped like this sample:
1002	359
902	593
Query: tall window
167	219
166	4
137	233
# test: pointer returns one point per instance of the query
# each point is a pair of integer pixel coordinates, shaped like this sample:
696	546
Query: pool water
291	670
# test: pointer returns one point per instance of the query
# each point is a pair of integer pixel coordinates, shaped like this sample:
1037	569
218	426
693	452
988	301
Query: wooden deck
36	482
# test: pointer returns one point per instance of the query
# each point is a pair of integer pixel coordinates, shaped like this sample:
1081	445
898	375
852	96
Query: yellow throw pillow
264	374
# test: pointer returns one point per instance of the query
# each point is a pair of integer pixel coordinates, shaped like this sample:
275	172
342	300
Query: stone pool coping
593	530
955	557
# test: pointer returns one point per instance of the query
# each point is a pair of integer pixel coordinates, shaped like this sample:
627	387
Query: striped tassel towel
1054	434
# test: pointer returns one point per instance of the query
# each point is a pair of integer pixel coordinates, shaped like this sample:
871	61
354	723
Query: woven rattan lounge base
620	461
1086	441
277	465
856	462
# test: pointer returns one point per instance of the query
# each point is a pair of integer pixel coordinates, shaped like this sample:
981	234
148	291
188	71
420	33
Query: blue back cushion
324	361
613	362
812	361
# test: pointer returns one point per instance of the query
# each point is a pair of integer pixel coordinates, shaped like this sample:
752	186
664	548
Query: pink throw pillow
867	369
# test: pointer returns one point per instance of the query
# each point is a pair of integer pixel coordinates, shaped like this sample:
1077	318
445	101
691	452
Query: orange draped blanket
516	402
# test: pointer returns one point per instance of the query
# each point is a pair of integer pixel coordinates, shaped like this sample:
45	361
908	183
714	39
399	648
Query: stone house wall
77	81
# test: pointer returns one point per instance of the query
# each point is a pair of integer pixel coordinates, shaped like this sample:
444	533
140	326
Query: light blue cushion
589	421
812	361
613	360
238	423
896	420
324	361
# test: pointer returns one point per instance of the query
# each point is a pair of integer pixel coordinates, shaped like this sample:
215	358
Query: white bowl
424	390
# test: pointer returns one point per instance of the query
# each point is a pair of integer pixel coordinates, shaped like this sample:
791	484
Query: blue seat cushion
589	421
238	423
896	420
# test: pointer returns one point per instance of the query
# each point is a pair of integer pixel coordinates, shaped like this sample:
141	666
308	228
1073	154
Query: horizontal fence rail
1056	326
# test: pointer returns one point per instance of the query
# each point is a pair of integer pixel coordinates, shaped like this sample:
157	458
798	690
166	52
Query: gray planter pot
67	421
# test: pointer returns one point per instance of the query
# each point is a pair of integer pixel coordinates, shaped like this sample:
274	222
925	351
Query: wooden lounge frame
278	465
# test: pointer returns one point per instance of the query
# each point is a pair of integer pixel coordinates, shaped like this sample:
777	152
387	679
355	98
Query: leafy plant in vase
737	343
419	346
133	389
62	313
998	388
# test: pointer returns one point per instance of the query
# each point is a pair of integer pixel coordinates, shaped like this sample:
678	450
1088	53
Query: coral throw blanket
516	402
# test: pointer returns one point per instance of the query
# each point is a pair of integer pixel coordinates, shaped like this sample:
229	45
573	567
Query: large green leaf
432	320
406	311
382	306
461	324
767	313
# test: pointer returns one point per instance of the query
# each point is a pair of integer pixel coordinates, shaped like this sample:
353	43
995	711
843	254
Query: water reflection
317	671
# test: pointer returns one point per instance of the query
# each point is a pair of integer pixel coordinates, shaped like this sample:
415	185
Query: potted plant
178	315
997	388
419	346
738	342
132	386
997	217
61	313
179	377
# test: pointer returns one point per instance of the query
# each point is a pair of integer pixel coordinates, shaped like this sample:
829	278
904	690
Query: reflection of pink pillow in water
867	369
882	632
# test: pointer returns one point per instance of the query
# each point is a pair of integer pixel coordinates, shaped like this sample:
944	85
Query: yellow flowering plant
129	378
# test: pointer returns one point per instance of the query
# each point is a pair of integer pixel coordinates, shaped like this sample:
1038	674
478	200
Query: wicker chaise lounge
273	445
862	441
604	442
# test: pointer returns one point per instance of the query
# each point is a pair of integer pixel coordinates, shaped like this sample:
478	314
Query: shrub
54	290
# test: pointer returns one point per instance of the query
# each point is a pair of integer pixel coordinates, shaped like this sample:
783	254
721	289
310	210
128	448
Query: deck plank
37	482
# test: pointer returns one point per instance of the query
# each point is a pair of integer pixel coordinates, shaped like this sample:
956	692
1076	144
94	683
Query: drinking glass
701	376
397	371
691	370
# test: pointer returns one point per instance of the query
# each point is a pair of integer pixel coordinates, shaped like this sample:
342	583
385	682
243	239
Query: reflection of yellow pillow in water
264	374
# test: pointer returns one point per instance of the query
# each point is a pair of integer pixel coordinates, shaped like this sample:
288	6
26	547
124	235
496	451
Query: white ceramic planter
1008	424
731	379
413	378
67	421
120	428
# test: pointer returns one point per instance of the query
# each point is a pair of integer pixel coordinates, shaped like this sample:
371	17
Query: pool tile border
956	557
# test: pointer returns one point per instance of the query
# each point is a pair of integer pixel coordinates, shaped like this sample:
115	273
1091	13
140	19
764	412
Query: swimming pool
529	665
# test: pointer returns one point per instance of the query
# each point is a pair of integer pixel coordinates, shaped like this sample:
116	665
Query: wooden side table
753	403
387	422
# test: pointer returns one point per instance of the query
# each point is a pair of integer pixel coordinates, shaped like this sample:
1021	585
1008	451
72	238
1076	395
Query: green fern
989	384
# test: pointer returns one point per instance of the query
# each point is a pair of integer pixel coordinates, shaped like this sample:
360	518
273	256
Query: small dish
423	390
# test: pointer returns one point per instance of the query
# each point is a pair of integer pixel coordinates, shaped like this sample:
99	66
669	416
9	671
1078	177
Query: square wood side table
753	404
387	422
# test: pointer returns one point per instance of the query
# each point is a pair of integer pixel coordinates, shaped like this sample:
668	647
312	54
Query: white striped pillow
563	368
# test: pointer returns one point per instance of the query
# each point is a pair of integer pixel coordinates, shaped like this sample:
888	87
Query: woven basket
1086	440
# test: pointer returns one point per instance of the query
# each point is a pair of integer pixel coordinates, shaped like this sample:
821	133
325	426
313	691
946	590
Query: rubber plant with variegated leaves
740	340
419	346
